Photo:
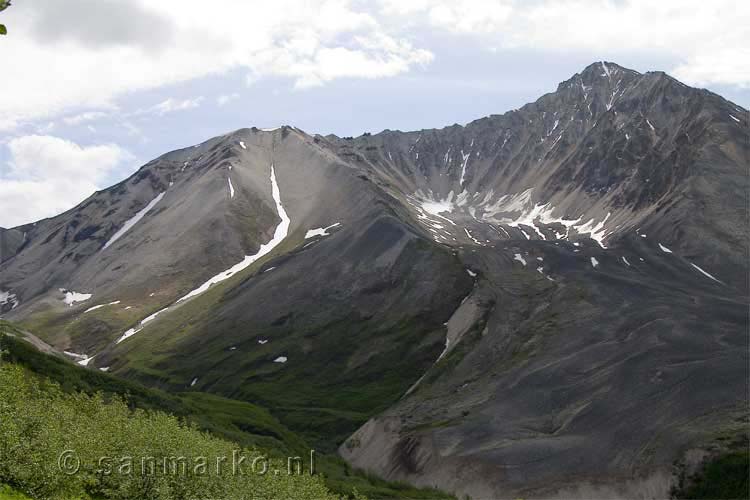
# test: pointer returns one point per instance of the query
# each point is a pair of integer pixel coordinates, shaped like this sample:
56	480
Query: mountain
548	302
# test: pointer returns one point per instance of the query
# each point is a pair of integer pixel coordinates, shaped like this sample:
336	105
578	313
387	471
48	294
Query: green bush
724	477
148	455
8	493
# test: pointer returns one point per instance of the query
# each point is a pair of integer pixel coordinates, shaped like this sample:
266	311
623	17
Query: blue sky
92	89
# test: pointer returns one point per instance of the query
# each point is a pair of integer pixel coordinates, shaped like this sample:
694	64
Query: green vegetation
55	444
246	424
8	493
4	4
725	477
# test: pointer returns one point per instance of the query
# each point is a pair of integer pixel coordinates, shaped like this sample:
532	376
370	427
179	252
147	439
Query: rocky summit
551	302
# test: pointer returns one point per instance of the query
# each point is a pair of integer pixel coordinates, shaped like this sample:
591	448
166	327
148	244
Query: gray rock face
549	302
11	241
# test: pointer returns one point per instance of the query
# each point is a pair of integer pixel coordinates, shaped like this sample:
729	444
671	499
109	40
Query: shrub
39	422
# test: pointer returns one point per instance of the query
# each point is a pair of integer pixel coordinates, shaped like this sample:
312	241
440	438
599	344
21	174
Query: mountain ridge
432	282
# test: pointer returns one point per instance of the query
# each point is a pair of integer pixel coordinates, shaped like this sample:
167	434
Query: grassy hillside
55	444
248	425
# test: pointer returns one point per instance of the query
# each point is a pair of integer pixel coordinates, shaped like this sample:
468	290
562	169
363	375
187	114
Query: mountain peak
605	69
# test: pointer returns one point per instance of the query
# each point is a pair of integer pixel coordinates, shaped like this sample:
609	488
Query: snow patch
133	220
132	331
153	316
735	118
471	273
242	144
596	232
86	361
594	262
8	298
429	205
520	259
534	214
231	188
195	381
554	126
100	306
465	158
262	341
73	297
664	249
437	207
321	231
280	359
706	273
625	261
472	237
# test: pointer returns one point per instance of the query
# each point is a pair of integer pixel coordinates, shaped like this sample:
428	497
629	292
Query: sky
93	89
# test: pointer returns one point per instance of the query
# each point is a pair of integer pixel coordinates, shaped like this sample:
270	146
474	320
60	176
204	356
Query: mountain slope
537	303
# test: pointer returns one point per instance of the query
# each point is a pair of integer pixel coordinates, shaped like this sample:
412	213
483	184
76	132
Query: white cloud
87	116
376	56
171	105
91	67
709	40
226	98
722	65
91	52
7	124
45	128
48	175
